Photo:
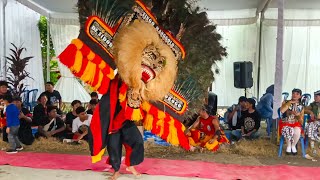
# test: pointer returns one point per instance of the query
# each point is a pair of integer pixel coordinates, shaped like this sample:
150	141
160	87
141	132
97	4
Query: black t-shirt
39	114
25	133
24	123
58	123
69	118
52	97
250	121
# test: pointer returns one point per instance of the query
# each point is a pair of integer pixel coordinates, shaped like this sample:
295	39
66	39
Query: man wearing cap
291	126
313	127
205	132
250	121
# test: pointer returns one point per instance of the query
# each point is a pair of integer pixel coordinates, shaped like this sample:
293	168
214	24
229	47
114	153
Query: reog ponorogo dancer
124	54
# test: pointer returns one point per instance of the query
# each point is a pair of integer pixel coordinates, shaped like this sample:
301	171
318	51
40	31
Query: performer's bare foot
133	171
115	175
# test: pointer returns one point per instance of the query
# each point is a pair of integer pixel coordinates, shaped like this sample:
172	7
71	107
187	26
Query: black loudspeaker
213	103
242	74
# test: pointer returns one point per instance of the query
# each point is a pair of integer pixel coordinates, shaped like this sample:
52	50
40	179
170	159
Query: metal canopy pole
261	10
278	79
259	57
4	75
279	61
48	48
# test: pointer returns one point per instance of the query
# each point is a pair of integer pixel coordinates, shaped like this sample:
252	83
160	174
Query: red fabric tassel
97	60
106	70
123	89
155	128
128	112
85	50
166	127
96	77
104	85
83	67
95	128
67	57
183	140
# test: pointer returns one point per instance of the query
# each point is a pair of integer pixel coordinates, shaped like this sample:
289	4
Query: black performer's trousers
131	138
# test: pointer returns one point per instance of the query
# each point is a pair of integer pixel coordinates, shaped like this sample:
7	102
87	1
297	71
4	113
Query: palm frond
16	69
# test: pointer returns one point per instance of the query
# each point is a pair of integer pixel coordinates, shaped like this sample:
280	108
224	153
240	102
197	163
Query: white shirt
77	123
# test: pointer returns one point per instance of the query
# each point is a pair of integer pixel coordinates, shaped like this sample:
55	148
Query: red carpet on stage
164	167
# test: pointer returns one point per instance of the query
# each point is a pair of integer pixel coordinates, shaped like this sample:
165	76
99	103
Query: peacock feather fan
110	11
201	42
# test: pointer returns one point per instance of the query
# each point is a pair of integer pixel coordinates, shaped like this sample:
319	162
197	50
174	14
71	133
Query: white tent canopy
18	25
239	24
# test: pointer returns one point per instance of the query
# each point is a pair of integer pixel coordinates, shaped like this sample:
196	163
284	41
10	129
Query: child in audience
25	132
13	124
80	125
70	117
92	106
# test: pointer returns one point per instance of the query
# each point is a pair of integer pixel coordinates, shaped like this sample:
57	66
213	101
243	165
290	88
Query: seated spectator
70	117
25	132
206	132
80	125
235	112
250	121
40	110
265	107
94	95
54	97
52	126
291	126
3	92
313	127
92	106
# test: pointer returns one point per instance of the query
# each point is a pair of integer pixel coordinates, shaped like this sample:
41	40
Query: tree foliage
54	74
43	25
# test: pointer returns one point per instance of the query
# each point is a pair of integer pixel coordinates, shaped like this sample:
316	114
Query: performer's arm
308	110
234	110
193	126
82	135
215	123
58	130
285	106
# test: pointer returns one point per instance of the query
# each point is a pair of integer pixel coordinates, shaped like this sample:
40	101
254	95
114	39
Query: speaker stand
245	92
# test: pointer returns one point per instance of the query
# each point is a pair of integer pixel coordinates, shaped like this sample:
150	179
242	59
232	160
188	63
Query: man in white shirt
80	125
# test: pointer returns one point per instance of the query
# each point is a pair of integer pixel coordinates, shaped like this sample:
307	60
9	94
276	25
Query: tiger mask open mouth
145	63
